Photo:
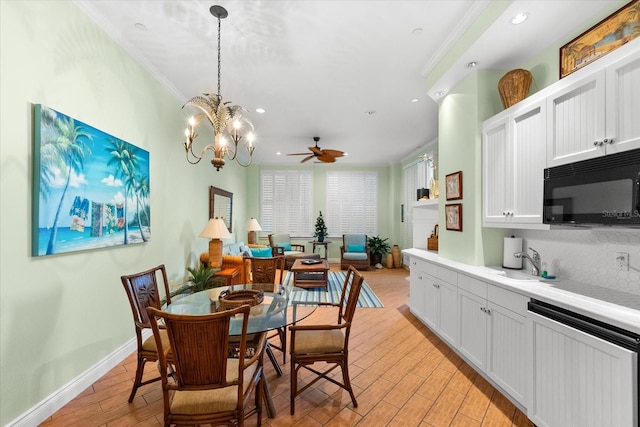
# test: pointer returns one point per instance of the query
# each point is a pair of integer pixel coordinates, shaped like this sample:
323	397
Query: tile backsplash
587	255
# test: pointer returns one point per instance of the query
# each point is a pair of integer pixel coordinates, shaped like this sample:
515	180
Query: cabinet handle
488	311
483	309
504	213
597	143
419	277
608	141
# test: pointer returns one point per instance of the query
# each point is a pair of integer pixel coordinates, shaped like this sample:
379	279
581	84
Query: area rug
367	297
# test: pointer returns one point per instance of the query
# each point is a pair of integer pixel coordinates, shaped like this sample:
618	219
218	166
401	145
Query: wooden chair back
200	346
142	291
267	271
350	293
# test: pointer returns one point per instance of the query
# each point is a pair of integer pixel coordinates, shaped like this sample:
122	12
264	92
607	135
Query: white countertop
550	291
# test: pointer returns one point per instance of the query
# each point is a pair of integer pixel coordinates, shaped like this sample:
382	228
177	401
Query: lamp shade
253	225
215	229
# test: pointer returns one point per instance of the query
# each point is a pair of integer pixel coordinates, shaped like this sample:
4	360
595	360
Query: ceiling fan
322	155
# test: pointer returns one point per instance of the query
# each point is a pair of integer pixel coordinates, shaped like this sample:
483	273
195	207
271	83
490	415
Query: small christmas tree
321	228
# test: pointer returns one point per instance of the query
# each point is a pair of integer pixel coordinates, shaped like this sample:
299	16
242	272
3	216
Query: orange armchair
230	263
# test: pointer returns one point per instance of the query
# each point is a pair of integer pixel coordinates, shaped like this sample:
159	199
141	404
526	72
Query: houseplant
320	228
201	278
378	247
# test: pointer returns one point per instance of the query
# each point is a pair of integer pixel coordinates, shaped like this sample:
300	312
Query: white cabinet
596	114
578	379
514	158
433	297
492	333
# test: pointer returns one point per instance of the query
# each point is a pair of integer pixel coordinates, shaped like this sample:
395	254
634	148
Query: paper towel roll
511	245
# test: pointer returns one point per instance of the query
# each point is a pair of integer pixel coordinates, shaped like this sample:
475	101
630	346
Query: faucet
534	260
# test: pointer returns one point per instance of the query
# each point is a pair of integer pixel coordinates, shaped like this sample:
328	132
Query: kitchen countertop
607	305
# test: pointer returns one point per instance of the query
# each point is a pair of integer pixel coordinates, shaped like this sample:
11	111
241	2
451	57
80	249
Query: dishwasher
585	372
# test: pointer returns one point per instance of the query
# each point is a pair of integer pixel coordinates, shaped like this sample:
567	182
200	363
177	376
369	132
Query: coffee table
310	275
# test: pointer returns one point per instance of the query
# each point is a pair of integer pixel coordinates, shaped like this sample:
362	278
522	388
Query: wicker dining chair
207	386
142	291
267	275
326	343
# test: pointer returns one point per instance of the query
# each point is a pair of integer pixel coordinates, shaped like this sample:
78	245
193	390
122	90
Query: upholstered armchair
231	263
281	242
355	251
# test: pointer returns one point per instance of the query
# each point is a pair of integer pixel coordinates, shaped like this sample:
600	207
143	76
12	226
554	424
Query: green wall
62	315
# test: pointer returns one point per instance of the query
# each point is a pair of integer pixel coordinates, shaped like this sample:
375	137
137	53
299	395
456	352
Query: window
352	202
286	202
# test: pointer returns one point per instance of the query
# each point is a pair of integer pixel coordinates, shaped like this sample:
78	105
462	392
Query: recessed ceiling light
345	154
140	26
472	64
417	31
370	112
278	153
260	110
415	99
439	94
519	18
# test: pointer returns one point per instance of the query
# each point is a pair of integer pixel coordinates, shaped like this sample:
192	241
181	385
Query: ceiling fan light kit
322	155
228	121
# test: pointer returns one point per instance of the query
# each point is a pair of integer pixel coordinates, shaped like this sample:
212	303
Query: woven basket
233	299
514	86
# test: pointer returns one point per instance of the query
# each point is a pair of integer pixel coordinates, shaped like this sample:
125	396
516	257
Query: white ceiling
318	67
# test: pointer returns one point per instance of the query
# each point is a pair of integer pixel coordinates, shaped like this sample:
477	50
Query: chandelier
229	124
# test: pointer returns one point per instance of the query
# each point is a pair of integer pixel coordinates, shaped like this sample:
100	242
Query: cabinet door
431	302
578	379
496	172
623	105
448	311
417	286
473	328
506	350
528	162
576	121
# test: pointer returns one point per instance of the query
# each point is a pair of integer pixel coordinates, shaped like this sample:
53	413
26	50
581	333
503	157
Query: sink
518	275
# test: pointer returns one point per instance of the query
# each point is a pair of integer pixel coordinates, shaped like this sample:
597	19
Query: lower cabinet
492	333
433	297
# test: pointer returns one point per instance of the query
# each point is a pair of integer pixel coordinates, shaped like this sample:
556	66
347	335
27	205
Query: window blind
352	202
286	202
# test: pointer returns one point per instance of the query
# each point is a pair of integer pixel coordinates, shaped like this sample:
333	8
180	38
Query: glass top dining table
275	311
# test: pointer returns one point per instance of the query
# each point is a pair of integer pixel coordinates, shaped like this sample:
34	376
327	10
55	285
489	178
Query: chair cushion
355	256
319	341
208	401
279	239
150	343
355	239
286	246
355	248
261	252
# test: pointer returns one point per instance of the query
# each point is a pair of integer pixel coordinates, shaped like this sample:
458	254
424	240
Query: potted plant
201	279
320	228
378	247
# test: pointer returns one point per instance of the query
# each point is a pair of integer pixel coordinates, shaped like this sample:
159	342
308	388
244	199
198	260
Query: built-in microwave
604	190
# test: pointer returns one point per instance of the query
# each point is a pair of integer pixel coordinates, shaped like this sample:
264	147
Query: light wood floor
402	374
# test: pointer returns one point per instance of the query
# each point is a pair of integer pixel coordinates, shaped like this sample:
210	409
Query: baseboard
73	388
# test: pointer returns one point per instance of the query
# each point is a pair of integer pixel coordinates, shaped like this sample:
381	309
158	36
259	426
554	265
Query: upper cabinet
514	157
597	114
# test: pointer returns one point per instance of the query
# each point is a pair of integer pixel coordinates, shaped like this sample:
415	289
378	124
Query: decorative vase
514	86
320	238
389	261
397	256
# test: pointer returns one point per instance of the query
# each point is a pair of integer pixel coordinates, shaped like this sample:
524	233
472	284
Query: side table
323	243
229	274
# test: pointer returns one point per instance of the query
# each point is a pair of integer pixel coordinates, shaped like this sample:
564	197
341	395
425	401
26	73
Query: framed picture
607	35
90	189
453	185
453	216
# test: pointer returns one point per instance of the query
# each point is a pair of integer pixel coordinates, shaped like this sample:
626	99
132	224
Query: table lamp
215	229
253	226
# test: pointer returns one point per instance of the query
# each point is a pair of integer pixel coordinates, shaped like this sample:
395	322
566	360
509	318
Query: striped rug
367	297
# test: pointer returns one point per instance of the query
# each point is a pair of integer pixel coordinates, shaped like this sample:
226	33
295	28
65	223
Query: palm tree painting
91	190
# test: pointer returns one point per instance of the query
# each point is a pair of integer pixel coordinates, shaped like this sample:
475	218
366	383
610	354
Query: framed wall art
221	205
453	216
90	189
607	35
453	186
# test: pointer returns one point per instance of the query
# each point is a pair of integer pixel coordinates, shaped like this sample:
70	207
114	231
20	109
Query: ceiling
345	71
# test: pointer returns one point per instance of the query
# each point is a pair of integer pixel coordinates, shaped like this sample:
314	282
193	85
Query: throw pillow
286	246
355	248
260	252
244	250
